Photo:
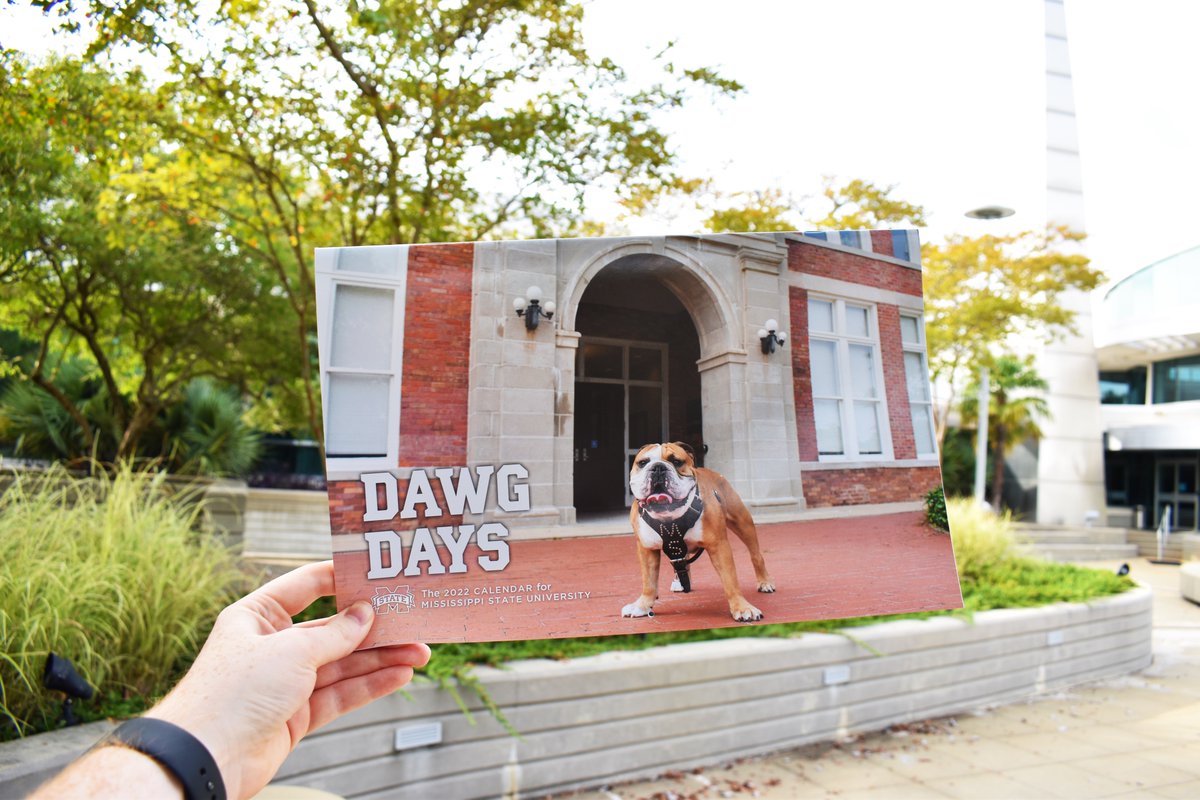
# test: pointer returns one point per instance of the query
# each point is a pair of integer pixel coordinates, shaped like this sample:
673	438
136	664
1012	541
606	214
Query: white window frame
842	341
328	278
920	348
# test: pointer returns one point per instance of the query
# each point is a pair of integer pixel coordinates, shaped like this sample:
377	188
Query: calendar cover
580	437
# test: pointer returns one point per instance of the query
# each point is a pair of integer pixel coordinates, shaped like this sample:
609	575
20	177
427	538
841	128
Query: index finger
296	590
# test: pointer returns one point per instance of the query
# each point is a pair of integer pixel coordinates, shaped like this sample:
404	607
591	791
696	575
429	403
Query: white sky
943	97
946	99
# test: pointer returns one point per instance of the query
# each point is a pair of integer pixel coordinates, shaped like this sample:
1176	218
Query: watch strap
181	753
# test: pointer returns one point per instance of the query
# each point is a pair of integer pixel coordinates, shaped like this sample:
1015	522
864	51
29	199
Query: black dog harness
672	533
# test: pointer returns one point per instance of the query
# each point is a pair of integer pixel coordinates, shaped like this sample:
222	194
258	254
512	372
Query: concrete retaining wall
1189	581
287	524
623	715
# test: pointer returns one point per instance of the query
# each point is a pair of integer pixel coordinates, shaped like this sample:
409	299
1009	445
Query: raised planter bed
623	715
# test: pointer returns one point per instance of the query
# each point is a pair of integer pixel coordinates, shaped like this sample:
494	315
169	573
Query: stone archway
636	378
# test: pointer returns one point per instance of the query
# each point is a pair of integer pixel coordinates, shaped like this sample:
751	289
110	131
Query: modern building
1148	345
425	364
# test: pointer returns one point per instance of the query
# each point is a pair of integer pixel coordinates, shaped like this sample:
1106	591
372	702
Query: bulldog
682	510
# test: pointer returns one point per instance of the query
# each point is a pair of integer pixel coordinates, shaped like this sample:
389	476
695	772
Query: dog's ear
687	448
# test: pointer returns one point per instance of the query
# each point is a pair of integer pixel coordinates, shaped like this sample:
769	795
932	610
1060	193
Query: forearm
112	771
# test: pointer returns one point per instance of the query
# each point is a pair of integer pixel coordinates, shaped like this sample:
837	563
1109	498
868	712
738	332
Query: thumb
340	635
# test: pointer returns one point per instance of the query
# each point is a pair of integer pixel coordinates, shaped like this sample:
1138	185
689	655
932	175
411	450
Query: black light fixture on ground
531	309
60	676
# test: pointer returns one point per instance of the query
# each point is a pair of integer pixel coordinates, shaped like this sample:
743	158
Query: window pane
922	429
829	426
1177	380
645	415
820	316
862	371
856	321
378	260
1187	516
362	328
866	424
602	360
1166	478
1123	388
1187	478
909	332
823	362
358	415
645	364
914	376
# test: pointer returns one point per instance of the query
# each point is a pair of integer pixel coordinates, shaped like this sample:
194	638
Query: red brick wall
896	387
434	386
433	404
881	242
806	425
849	487
813	259
346	508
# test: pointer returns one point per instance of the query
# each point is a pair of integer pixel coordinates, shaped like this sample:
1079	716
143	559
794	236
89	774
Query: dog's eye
643	462
676	461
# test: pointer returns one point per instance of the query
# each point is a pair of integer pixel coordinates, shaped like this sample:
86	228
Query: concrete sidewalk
1137	736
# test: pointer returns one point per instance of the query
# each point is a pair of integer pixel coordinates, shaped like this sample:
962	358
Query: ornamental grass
111	572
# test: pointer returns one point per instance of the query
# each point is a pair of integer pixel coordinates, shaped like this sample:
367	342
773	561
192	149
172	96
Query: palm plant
1014	409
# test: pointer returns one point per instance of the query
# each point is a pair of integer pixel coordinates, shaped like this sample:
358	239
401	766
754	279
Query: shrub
981	538
935	509
109	572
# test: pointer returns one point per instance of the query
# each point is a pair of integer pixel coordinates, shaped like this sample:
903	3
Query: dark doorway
599	446
636	378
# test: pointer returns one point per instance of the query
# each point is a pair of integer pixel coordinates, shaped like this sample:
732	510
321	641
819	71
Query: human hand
260	684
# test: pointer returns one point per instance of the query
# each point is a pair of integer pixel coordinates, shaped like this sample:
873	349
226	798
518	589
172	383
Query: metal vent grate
418	736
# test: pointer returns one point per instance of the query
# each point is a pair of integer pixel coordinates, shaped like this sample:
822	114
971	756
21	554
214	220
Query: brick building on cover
426	365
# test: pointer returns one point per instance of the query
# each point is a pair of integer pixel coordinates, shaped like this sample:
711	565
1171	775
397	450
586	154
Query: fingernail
360	612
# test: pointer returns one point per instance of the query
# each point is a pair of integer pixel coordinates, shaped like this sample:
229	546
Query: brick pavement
824	569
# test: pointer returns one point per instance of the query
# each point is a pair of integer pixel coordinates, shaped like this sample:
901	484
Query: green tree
861	205
981	292
392	122
854	205
1014	409
143	293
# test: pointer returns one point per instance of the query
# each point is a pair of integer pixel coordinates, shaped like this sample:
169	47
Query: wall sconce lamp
770	338
532	309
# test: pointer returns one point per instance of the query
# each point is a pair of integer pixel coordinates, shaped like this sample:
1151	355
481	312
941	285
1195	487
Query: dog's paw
636	610
676	586
746	613
766	587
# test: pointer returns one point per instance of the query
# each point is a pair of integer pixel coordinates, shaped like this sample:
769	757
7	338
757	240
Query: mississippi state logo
398	601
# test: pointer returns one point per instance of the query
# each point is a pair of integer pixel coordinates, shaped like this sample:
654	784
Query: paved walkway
1135	736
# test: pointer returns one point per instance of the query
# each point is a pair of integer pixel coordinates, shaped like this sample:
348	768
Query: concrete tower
1070	454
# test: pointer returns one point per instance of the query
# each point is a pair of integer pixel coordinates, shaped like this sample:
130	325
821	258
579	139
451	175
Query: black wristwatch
182	754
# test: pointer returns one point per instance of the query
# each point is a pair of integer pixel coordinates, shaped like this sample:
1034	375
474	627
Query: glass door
1175	489
621	405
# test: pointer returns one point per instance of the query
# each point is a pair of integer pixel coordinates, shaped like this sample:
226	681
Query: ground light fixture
60	676
769	338
531	309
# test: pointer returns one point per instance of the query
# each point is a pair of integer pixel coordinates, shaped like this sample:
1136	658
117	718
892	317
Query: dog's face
663	479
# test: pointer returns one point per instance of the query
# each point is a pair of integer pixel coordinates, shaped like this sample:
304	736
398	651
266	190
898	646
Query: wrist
204	728
113	771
